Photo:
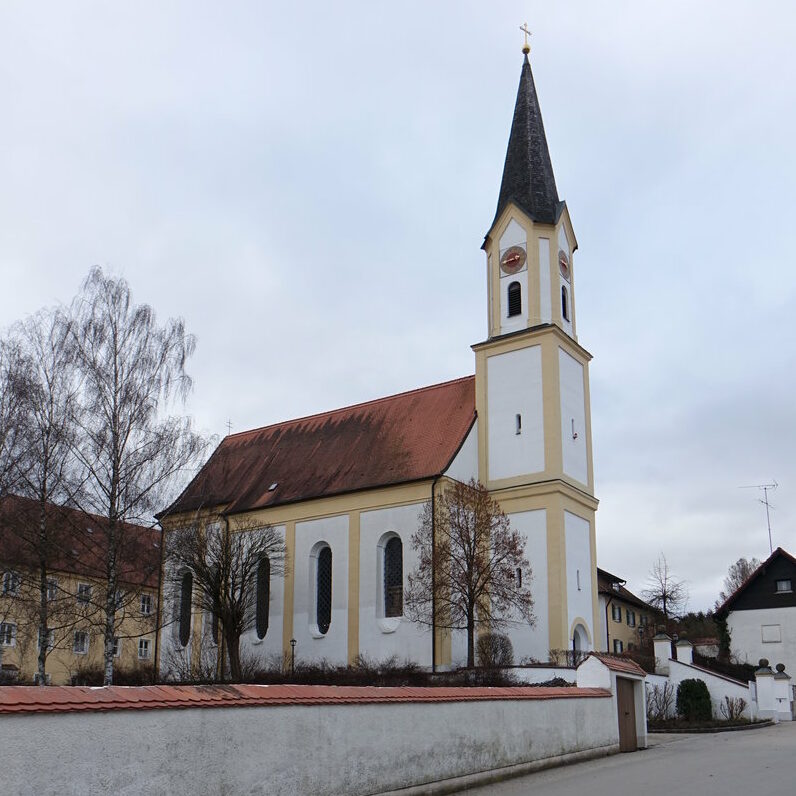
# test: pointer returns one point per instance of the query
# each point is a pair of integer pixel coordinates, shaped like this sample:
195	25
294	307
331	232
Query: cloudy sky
308	185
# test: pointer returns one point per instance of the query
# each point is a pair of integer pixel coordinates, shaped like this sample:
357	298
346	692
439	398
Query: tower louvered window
515	299
564	303
323	598
186	588
394	577
263	596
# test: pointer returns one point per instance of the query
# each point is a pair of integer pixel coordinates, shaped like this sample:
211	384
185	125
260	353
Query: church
346	489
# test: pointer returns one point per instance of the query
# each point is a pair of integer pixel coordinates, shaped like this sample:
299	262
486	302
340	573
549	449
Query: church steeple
528	178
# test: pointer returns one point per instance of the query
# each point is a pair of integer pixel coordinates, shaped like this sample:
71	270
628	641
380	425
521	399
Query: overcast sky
308	185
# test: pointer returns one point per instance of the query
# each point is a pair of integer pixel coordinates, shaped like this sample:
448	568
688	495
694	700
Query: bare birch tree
131	451
472	573
664	591
230	569
13	386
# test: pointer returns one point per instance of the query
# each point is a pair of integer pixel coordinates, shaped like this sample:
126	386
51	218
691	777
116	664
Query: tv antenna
764	501
229	426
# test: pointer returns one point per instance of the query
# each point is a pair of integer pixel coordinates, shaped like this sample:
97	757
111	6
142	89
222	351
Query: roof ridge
329	412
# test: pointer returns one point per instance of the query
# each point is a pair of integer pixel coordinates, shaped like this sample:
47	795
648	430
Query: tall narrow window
186	588
394	577
263	596
515	299
564	303
323	590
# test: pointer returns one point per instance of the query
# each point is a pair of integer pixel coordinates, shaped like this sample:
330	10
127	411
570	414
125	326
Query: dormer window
515	299
564	303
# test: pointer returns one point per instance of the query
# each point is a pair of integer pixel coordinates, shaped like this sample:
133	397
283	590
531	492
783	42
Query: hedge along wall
288	739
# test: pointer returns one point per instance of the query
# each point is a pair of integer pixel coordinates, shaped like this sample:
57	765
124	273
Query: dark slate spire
528	179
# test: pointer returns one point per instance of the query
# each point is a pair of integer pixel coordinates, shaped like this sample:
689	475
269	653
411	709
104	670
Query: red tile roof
60	699
605	581
616	664
394	440
78	542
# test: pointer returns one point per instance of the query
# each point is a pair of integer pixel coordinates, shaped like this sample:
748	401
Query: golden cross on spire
526	47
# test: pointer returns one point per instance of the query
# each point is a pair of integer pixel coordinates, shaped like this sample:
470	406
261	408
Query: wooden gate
627	715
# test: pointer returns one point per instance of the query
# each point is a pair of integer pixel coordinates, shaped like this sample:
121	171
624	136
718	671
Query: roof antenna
229	426
764	501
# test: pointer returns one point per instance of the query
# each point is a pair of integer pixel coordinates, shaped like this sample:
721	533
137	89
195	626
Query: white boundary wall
351	749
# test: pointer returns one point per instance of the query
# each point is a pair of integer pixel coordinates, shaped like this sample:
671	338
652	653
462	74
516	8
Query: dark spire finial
528	178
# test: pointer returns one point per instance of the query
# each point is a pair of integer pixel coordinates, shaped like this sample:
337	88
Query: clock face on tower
512	260
563	264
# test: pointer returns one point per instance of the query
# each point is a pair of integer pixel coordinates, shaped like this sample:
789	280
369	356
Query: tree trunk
233	650
470	636
43	606
110	604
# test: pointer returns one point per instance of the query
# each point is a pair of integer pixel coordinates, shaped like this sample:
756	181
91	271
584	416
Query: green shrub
693	701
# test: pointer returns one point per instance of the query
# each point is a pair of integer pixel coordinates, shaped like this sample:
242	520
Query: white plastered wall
381	637
573	417
514	387
311	645
579	569
513	236
532	642
746	636
563	244
465	464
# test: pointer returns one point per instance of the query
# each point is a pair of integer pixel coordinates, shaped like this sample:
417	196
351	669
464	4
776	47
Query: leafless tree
13	388
472	572
737	575
131	451
664	591
227	565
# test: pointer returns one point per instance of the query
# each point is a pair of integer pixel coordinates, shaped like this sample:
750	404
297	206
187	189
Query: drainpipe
433	577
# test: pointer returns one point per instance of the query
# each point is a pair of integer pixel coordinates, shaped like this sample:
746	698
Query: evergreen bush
693	701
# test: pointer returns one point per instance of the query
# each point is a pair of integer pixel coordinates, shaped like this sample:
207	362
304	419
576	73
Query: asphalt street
760	762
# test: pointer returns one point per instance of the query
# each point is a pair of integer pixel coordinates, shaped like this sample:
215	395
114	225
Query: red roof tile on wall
624	665
69	699
394	440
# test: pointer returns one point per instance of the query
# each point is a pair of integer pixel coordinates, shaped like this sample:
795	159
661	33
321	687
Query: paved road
758	762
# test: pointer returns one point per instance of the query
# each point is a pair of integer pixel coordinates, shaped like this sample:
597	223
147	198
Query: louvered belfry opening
263	596
515	299
394	577
323	599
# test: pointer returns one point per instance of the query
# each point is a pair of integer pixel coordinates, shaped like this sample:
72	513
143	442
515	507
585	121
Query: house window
631	618
143	649
11	581
515	299
618	646
83	593
771	634
52	589
564	303
616	613
186	593
37	679
323	590
117	646
8	634
394	577
784	585
263	596
80	643
146	604
643	620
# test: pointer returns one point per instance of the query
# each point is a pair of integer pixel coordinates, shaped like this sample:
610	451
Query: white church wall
465	464
533	642
573	417
311	645
563	244
356	748
579	568
514	387
545	303
513	236
380	637
269	648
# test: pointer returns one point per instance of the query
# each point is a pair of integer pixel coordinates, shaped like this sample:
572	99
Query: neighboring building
761	614
626	621
347	488
76	593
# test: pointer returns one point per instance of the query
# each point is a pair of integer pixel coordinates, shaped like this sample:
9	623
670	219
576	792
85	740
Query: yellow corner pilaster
290	579
353	586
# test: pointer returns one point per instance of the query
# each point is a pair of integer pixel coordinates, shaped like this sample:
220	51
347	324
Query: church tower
532	390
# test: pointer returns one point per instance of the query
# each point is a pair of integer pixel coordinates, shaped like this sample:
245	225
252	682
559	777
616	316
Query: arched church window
263	596
515	299
323	590
564	303
186	589
394	577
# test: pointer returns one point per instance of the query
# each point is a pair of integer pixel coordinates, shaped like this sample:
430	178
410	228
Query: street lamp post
292	656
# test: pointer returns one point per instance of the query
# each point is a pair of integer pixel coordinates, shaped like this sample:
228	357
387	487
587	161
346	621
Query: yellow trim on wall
290	582
353	586
579	620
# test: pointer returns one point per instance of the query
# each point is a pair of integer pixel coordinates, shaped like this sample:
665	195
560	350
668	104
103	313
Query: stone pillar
685	651
783	694
663	653
766	698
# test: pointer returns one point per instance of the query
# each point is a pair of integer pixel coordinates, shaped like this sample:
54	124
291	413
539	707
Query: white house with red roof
347	488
